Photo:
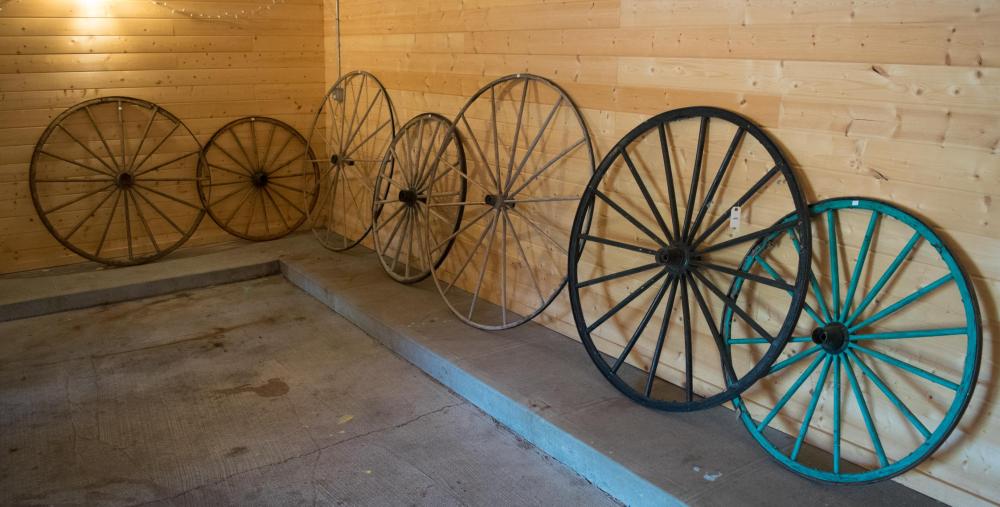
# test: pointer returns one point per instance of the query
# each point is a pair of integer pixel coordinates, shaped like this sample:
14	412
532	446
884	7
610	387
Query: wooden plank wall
896	99
56	53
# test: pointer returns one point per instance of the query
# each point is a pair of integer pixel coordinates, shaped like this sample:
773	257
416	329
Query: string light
235	15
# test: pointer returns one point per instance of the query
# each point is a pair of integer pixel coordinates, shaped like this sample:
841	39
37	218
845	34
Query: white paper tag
734	217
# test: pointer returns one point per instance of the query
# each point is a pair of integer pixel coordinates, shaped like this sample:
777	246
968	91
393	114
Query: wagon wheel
258	179
401	220
350	134
114	180
529	157
659	248
891	347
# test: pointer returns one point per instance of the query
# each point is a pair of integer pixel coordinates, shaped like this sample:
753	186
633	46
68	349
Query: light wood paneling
56	53
898	100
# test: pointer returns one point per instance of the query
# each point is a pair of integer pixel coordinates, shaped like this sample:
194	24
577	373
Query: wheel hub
124	180
259	179
676	259
409	197
499	201
834	337
335	159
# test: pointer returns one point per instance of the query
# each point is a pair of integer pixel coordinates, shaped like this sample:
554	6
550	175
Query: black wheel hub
410	197
676	259
498	201
259	179
335	159
124	180
832	337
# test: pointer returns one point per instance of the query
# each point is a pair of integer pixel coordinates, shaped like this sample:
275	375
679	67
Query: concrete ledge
537	382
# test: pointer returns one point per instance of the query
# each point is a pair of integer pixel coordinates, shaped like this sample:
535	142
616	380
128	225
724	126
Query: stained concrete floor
251	392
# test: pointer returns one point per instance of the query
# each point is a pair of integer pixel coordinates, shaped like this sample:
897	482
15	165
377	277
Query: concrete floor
252	392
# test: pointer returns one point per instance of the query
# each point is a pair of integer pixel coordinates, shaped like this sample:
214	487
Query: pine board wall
895	99
56	53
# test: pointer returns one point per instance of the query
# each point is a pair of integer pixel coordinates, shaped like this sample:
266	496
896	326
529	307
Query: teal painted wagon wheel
889	346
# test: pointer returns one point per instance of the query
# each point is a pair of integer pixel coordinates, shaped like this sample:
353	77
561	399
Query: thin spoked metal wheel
259	179
529	156
646	273
890	347
402	220
351	132
114	180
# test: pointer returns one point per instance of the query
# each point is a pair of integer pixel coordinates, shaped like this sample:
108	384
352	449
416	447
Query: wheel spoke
277	209
128	224
836	413
618	244
250	191
920	372
619	274
496	138
78	199
750	237
817	391
168	196
774	171
472	255
858	265
791	390
813	283
513	143
533	145
664	324
503	270
88	150
253	212
544	167
74	162
831	227
734	307
158	211
670	283
560	246
486	259
459	231
903	302
628	299
696	175
286	199
145	223
720	344
866	414
524	257
482	156
774	274
793	359
875	379
137	166
917	333
145	134
668	174
634	221
889	271
104	141
242	175
91	214
158	166
645	195
107	226
745	275
719	174
368	137
121	120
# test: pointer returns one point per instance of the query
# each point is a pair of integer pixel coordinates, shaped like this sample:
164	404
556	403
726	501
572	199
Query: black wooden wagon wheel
529	156
402	220
114	180
675	205
352	130
883	364
259	179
